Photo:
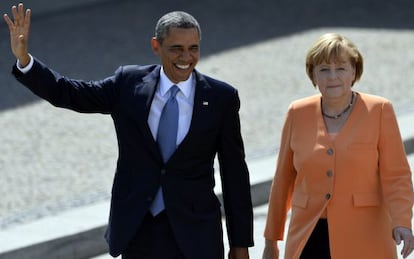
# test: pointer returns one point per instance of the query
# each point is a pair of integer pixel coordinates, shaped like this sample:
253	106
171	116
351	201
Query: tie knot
174	90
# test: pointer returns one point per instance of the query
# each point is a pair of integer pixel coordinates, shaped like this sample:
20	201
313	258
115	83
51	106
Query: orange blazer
361	179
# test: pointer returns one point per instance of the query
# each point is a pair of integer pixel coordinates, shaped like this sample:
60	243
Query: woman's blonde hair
333	47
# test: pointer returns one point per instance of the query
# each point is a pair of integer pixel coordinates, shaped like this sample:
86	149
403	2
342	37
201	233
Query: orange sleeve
282	186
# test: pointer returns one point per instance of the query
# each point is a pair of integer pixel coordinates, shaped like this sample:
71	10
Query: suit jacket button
149	199
163	171
329	151
328	196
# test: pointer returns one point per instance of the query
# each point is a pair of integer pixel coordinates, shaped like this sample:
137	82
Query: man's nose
186	55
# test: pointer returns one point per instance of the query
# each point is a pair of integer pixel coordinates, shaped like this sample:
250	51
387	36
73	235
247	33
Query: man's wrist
25	65
24	61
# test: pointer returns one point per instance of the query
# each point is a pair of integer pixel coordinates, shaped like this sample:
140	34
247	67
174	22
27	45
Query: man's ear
155	45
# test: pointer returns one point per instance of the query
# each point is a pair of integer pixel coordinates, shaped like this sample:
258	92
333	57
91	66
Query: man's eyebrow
181	46
175	46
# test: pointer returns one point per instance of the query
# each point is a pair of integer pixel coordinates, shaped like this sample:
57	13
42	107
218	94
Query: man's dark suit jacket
187	178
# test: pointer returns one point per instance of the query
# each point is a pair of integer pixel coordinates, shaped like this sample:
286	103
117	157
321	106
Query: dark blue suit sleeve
78	95
235	178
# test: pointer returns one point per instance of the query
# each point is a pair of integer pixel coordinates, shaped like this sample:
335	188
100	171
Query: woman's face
335	78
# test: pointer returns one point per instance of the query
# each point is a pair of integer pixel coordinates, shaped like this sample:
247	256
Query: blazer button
328	196
329	173
149	199
163	171
329	151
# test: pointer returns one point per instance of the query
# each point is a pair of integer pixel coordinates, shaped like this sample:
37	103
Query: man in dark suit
162	206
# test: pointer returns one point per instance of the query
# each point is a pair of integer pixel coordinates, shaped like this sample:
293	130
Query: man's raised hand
19	32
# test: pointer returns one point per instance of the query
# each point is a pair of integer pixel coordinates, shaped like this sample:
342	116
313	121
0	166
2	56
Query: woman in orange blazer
342	168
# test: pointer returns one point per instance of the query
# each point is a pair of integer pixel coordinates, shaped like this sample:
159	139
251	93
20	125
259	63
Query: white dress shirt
27	68
185	99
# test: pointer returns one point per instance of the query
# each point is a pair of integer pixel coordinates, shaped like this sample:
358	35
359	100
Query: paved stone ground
52	159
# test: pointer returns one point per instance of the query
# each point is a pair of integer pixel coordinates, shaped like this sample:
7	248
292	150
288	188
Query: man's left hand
239	253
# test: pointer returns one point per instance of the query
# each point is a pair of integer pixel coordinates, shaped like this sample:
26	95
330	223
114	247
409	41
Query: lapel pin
205	103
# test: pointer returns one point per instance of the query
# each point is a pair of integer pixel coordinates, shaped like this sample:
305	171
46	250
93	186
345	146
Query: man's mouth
183	66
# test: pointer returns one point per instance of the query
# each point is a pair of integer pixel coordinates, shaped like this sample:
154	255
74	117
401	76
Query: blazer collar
185	86
351	120
143	94
201	110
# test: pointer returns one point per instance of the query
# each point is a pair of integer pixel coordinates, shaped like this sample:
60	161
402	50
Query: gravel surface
53	159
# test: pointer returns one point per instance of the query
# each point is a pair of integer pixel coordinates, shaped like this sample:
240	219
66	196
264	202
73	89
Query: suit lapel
143	95
202	102
201	110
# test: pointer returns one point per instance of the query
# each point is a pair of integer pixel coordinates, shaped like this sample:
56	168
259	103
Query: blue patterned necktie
166	139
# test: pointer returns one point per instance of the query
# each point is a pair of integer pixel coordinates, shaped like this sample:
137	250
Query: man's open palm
19	32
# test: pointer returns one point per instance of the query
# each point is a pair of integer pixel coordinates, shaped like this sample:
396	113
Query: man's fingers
20	12
21	18
27	18
19	15
15	13
8	21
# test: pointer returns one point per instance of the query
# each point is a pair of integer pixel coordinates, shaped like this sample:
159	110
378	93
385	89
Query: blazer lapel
202	101
142	100
201	110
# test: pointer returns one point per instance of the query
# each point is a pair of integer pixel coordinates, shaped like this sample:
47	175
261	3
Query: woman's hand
271	251
406	235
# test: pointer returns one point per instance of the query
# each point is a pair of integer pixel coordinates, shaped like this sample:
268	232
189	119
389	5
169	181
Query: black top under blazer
187	178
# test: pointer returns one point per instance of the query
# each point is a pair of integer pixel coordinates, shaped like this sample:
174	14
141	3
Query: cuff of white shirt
27	68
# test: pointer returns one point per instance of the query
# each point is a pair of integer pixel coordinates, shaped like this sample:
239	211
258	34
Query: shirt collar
165	84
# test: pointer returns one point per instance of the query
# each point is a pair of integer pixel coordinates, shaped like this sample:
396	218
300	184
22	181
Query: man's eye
176	50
